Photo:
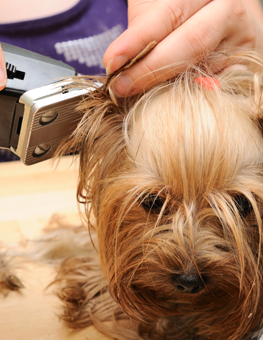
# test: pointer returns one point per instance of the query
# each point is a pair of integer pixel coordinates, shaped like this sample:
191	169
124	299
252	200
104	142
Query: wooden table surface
29	196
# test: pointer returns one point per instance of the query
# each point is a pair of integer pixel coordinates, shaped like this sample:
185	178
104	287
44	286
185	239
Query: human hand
185	31
3	76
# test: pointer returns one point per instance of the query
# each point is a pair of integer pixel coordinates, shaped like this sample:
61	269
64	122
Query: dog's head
176	186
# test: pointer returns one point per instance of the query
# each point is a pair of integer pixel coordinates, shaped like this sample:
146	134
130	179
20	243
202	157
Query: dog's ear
98	108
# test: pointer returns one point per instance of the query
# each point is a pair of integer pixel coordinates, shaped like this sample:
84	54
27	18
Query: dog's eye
243	205
152	202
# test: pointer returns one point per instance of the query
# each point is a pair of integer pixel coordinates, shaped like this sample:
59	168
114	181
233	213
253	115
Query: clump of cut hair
9	281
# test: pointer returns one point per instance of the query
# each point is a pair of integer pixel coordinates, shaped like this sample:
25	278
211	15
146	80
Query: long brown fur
198	151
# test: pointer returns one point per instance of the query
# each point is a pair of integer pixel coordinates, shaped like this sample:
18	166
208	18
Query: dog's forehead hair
204	140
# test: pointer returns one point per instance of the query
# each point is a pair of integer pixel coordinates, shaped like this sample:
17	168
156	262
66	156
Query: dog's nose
190	283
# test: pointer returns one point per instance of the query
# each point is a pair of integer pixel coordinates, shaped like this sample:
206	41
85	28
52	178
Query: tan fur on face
197	150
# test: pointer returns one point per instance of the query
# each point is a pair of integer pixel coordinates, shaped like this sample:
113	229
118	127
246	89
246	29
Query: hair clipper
37	110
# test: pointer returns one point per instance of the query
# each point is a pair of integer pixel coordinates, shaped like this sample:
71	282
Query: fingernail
115	63
123	86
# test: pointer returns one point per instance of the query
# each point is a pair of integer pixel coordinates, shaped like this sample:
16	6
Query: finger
3	76
149	26
191	42
240	34
136	8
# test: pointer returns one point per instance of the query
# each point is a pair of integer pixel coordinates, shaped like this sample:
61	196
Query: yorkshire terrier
174	181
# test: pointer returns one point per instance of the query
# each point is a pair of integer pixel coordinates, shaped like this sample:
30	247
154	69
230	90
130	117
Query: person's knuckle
238	10
175	14
242	23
